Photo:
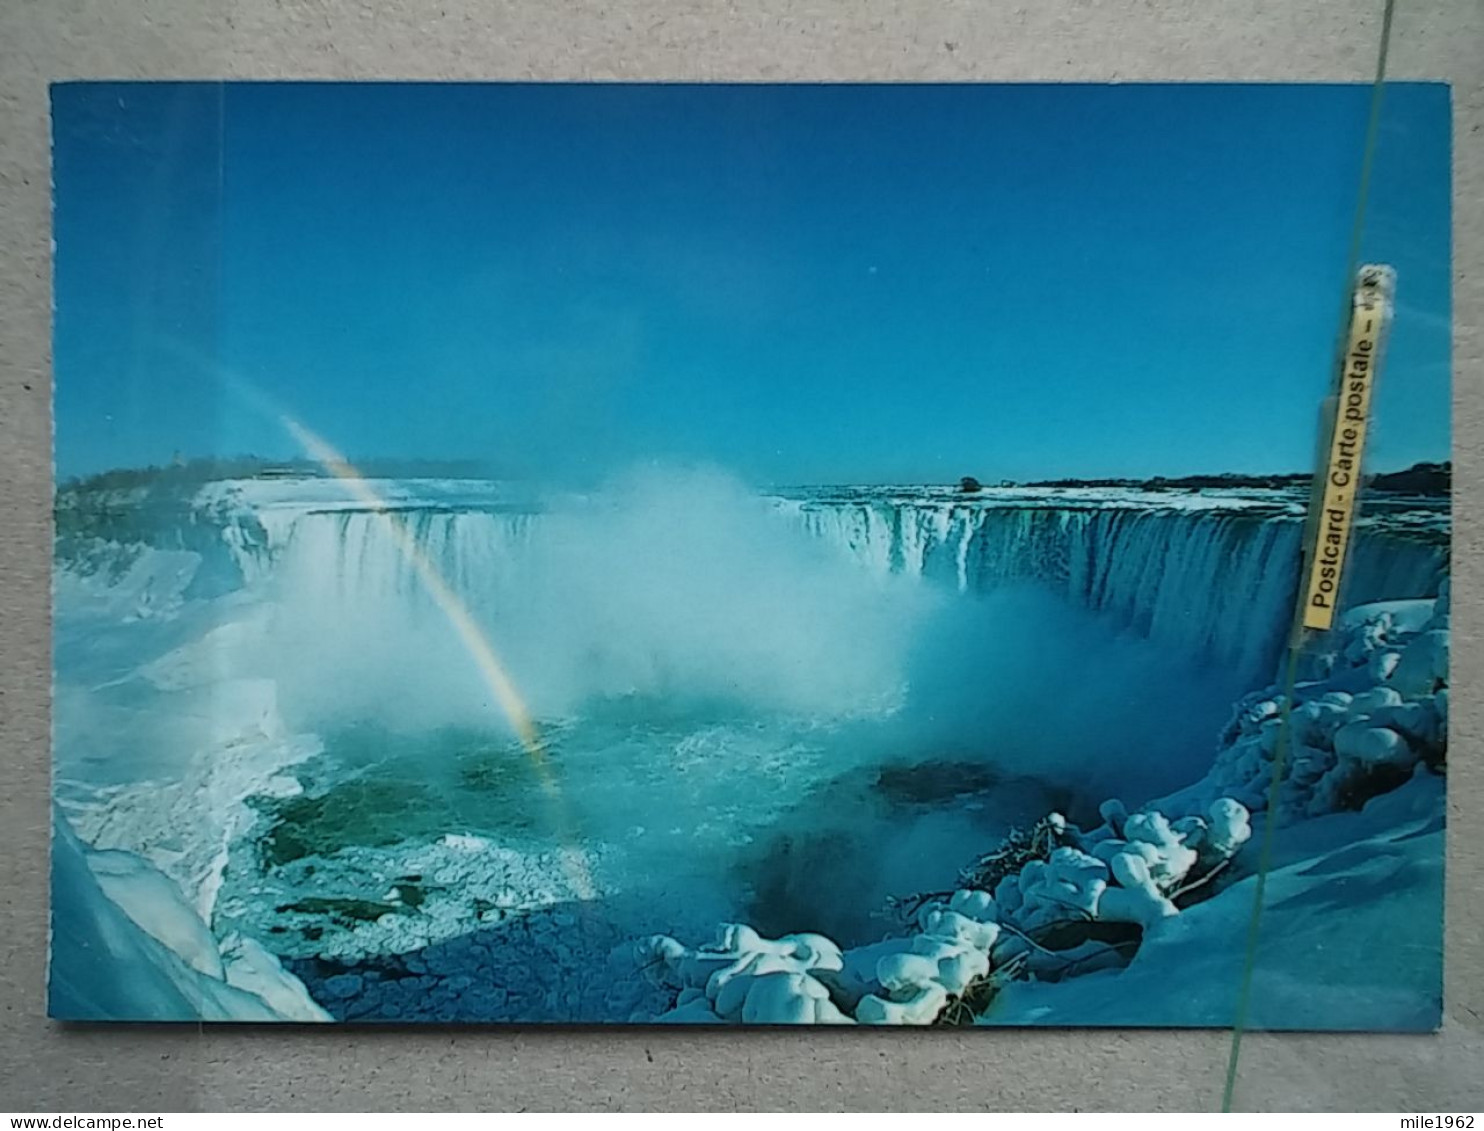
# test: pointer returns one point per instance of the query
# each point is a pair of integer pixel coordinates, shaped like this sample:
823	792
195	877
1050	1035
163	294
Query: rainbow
473	638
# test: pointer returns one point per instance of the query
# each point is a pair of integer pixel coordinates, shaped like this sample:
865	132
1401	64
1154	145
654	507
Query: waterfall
356	557
1218	581
1211	574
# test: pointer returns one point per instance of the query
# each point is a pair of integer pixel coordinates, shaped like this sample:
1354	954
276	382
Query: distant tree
1419	479
968	485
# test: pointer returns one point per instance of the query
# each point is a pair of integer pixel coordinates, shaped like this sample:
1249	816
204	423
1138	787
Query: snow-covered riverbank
1353	929
295	750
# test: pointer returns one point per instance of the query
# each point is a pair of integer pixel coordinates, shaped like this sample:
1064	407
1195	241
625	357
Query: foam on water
721	677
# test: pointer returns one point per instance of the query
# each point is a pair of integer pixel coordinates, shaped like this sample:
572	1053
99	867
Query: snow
162	737
249	967
152	584
1351	937
455	873
321	493
745	977
105	966
805	978
156	907
173	734
1352	917
185	823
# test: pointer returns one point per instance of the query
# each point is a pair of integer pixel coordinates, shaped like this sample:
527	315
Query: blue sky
802	283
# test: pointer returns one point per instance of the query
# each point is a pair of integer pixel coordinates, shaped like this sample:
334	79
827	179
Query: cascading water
716	675
1208	575
1218	581
354	555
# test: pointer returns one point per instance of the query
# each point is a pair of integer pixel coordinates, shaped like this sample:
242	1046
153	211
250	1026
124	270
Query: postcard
750	554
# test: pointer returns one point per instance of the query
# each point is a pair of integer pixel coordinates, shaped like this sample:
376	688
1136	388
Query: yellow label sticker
1335	517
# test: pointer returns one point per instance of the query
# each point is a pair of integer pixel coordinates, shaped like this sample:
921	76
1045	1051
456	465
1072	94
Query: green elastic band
1296	637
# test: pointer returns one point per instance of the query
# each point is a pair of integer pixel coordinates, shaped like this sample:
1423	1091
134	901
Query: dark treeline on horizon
1421	478
207	469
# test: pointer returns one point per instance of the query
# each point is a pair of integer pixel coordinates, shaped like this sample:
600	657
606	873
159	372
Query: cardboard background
48	1067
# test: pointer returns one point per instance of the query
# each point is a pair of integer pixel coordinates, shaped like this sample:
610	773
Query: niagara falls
786	709
759	554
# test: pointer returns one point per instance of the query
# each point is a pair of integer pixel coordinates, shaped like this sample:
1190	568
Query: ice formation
1098	546
1368	719
1127	875
1102	554
1368	707
745	977
127	947
1369	715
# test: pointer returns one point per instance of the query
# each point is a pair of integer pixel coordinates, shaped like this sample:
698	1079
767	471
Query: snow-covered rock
745	977
109	964
958	943
947	962
1069	884
156	907
1136	898
1370	703
249	967
913	984
920	1006
1230	827
1351	933
1371	745
1423	667
790	998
